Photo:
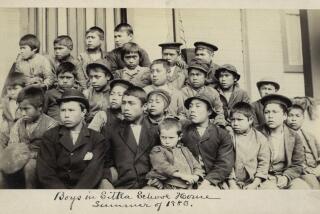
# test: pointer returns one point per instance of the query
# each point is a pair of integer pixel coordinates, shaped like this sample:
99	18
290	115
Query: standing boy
211	145
251	149
311	166
266	85
32	64
71	155
173	163
123	33
132	71
131	141
177	74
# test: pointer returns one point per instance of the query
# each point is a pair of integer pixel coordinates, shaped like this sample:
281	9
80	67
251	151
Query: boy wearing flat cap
177	73
113	112
71	155
267	85
197	73
287	154
211	145
158	102
100	75
228	88
205	51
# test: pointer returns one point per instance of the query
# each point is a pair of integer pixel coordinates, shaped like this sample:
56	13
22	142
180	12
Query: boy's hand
187	178
155	183
196	178
233	185
251	186
282	181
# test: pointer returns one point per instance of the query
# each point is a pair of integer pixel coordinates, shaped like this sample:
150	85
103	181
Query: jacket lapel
124	132
288	144
144	141
311	144
82	138
65	139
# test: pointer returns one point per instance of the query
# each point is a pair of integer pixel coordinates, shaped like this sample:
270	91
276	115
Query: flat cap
73	95
227	67
171	45
205	45
204	97
101	63
268	80
276	98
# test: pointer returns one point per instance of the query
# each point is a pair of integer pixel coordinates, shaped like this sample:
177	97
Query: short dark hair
33	94
130	47
64	40
16	78
163	62
243	108
124	27
30	40
97	30
296	106
169	123
66	67
138	92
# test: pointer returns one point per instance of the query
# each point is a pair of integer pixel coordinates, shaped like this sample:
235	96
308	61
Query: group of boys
116	120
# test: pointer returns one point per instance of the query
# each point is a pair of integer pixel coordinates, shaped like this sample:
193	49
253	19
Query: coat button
69	170
71	153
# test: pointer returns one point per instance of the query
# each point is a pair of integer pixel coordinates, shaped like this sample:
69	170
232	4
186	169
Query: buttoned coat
131	159
215	148
63	165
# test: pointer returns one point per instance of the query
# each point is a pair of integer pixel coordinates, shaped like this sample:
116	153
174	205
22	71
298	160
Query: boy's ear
145	107
180	136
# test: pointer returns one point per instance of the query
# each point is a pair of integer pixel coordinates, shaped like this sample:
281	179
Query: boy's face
116	95
132	108
274	115
197	78
29	112
171	55
240	123
66	80
158	75
131	60
169	137
156	105
93	41
98	78
121	38
26	52
13	91
71	114
61	51
226	79
266	89
199	112
204	55
295	119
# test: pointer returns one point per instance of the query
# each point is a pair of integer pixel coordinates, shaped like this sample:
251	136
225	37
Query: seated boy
131	141
311	166
71	155
113	113
197	73
94	40
100	75
172	163
211	145
287	153
66	75
159	77
10	114
28	130
33	65
132	72
228	88
251	149
123	33
158	102
177	74
266	85
63	46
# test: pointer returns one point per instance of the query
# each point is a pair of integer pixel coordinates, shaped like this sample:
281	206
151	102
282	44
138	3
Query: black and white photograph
156	100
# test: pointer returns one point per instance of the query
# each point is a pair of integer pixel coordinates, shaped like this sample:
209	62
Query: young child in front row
251	149
173	163
311	166
28	130
132	72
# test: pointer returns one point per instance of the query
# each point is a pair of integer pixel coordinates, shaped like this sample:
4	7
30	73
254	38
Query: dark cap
171	45
205	45
166	96
73	95
204	97
229	68
199	65
276	98
120	82
268	80
101	63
